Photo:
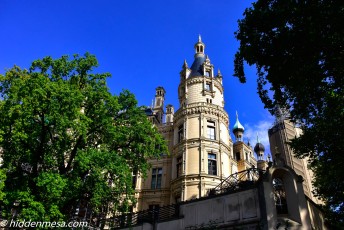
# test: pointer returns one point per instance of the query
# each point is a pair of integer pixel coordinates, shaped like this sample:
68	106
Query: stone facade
202	155
275	200
280	134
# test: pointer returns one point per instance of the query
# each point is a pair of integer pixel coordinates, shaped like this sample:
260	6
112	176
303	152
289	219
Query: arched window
280	196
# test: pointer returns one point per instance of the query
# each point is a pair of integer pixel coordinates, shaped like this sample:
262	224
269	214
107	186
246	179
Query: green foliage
297	47
2	183
67	142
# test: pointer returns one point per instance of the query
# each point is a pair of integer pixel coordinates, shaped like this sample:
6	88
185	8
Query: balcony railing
243	180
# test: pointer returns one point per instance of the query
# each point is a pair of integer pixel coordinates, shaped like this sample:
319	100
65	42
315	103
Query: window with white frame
208	86
211	130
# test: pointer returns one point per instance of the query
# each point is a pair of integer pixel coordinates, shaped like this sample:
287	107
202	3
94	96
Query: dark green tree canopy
67	141
298	49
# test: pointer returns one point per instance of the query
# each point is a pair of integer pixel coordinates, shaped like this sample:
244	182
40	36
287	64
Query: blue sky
143	45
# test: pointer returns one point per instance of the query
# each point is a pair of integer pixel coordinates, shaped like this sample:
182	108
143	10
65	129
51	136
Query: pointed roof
238	126
219	73
196	67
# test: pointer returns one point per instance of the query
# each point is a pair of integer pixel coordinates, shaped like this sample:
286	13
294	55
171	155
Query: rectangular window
180	133
179	166
211	130
208	86
212	169
207	73
134	180
237	156
156	178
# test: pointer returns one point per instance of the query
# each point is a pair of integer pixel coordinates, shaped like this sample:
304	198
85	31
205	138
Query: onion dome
237	126
259	146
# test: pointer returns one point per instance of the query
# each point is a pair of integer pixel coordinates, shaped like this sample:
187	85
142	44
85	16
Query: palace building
214	179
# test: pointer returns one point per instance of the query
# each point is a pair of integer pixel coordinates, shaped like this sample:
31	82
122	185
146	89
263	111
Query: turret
159	103
169	113
199	47
238	129
259	149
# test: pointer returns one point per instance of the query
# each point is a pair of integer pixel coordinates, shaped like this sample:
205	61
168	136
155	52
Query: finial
199	38
185	65
237	117
258	138
219	73
207	57
152	103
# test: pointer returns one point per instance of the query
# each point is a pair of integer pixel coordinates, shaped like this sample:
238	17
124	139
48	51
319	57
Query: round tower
202	147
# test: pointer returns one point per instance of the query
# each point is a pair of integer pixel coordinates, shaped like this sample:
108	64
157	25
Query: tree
67	143
297	47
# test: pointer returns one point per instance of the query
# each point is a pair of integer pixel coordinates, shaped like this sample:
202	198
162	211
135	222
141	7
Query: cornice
201	107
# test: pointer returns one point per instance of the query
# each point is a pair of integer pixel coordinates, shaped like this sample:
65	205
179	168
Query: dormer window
207	73
208	86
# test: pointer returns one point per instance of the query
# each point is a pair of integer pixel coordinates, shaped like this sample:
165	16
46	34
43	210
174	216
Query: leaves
67	142
298	49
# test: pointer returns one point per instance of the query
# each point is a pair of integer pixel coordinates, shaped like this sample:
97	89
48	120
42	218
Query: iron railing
238	181
153	216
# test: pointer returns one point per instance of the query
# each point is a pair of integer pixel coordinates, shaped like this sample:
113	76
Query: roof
196	68
259	147
238	125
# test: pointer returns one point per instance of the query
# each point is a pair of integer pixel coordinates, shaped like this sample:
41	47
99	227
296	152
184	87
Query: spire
199	47
185	65
258	138
219	73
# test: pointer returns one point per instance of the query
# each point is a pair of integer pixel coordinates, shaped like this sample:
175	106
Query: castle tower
202	147
169	113
159	103
283	131
243	152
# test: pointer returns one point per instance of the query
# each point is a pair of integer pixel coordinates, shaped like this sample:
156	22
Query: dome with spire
238	126
200	58
259	146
